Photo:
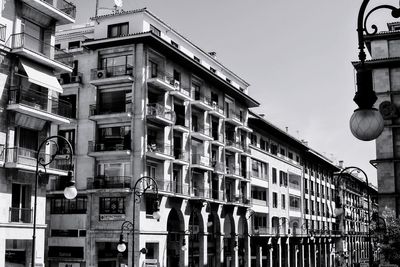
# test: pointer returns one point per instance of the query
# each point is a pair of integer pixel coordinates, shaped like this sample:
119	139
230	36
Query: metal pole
34	213
133	226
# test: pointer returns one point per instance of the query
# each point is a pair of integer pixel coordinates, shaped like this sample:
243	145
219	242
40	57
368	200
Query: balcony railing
40	101
27	157
20	215
181	154
26	41
64	6
232	170
260	202
201	129
294	185
167	77
112	71
202	98
202	192
173	187
116	107
235	144
156	109
109	146
108	182
159	148
201	160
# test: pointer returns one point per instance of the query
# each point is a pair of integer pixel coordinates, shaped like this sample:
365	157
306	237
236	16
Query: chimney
341	164
213	54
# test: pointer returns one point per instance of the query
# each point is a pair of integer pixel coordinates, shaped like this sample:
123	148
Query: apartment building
151	103
292	205
353	246
30	109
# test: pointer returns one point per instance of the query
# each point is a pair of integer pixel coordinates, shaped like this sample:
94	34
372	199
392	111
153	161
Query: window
112	205
21	203
274	200
152	251
253	139
74	45
57	46
119	65
69	135
62	205
196	59
67	106
174	44
283	201
263	144
282	151
283	178
258	169
155	30
274	176
306	206
177	76
297	159
116	30
290	155
151	171
274	149
153	69
213	70
294	202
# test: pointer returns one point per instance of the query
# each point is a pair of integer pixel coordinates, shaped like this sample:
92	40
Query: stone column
279	252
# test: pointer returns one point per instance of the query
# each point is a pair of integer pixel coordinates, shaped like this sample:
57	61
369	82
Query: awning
41	76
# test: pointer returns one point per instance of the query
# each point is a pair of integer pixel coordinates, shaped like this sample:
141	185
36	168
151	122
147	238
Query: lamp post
338	204
148	183
70	191
366	123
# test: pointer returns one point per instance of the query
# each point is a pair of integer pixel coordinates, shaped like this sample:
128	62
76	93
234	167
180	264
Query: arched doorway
174	239
229	241
196	238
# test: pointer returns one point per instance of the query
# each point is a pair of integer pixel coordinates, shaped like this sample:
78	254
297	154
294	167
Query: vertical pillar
236	252
204	254
221	251
309	253
259	257
247	253
302	253
288	251
279	252
271	250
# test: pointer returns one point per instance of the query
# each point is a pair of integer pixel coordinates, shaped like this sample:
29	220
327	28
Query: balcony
160	114
201	162
115	113
109	182
62	11
25	159
233	118
20	215
109	149
164	81
112	75
218	139
181	156
159	151
217	110
202	102
234	172
39	105
259	202
70	79
173	187
233	146
181	92
201	192
219	168
217	195
201	132
25	45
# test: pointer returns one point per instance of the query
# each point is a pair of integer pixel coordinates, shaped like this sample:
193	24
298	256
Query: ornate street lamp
339	207
366	123
70	191
148	183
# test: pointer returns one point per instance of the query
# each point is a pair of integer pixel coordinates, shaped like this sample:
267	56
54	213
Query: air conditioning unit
100	74
176	84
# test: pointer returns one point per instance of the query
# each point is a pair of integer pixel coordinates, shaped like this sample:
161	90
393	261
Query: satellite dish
118	3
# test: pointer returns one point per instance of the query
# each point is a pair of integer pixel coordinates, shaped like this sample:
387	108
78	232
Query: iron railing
173	187
235	144
67	78
159	148
20	215
157	110
40	101
26	41
201	129
181	154
167	77
199	159
112	71
108	182
64	6
115	107
202	98
27	157
124	144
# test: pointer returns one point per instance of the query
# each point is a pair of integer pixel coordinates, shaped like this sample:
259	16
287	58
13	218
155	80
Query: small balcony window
116	30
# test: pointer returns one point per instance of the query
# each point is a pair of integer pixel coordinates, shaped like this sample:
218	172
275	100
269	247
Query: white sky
295	54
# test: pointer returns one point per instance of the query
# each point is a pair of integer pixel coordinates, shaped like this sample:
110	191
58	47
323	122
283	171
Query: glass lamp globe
70	192
121	247
366	124
156	215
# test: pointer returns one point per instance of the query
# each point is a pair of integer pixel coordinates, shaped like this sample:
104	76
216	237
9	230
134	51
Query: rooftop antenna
117	6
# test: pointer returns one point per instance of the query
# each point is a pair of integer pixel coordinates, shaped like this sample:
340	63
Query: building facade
30	107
